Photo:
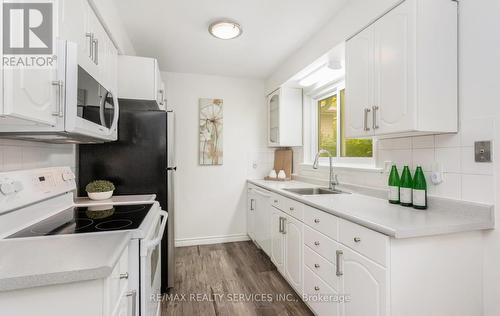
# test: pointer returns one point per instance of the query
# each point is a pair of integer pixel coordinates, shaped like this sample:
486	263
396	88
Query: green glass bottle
394	183
406	187
419	190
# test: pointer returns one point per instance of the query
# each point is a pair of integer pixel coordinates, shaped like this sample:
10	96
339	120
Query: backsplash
463	178
16	155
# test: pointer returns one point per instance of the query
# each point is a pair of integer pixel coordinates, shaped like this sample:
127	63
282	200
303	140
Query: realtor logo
28	28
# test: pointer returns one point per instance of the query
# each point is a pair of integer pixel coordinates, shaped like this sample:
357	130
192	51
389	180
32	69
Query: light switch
482	151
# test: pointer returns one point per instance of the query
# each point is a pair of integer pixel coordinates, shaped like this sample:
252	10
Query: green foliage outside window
328	134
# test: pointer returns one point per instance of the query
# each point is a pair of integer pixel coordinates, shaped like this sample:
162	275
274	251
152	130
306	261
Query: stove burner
114	224
75	225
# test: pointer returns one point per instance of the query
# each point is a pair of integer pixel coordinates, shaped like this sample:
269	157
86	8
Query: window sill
345	166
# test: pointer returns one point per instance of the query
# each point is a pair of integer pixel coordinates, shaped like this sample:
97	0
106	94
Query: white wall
17	155
211	200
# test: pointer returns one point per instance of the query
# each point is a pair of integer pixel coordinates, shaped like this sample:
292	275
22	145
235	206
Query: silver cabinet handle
90	36
316	288
338	259
281	225
316	243
357	239
365	121
133	296
284	225
374	117
162	93
60	98
316	220
316	266
252	208
95	41
124	275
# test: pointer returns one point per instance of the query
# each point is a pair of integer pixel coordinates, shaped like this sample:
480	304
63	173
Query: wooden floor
233	279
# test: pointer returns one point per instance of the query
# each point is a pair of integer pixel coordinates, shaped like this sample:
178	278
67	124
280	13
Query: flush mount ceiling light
225	29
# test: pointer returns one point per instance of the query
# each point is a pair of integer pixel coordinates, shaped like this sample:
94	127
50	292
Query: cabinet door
394	71
365	282
251	199
293	252
277	239
33	94
274	118
262	213
86	52
359	84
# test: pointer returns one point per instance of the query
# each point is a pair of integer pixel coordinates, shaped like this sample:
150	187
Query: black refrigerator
141	161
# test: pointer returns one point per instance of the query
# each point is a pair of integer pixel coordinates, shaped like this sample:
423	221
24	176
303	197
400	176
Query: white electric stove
40	203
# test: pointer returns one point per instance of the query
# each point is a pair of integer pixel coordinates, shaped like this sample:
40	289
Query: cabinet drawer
321	267
277	201
321	221
365	241
319	296
320	244
293	208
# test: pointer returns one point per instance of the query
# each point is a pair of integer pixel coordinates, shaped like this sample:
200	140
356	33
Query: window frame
314	97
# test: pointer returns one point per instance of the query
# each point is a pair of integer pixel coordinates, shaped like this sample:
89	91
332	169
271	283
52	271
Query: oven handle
154	242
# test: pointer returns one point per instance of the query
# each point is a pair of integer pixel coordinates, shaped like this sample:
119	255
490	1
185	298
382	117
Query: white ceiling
175	32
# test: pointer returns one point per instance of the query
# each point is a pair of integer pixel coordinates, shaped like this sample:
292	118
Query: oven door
91	109
151	267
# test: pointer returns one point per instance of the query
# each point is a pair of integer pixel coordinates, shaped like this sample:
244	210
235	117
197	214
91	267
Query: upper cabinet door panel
36	94
394	71
359	84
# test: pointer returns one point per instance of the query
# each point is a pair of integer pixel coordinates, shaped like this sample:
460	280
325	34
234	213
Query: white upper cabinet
401	72
140	79
97	53
285	117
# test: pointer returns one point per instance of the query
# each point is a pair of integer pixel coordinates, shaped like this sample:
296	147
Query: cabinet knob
316	266
357	239
316	288
316	243
275	201
291	208
124	275
317	221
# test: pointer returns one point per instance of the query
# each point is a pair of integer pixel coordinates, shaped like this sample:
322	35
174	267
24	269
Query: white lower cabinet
277	240
293	252
251	213
365	283
115	295
342	268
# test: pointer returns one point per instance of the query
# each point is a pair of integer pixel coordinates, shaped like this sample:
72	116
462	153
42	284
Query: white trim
195	241
311	131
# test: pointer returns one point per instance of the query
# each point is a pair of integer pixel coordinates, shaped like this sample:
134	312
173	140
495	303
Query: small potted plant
100	190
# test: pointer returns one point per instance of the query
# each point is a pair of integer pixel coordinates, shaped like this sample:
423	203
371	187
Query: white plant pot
98	196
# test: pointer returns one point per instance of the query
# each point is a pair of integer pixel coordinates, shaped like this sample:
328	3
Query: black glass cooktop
90	219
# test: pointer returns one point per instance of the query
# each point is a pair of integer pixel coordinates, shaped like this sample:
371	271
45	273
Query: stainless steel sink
314	191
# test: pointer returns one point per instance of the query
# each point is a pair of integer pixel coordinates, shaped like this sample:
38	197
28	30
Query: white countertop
41	261
442	217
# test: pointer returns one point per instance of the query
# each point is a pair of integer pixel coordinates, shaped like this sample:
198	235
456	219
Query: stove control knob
68	176
7	188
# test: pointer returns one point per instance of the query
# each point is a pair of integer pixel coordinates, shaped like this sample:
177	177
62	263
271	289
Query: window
330	111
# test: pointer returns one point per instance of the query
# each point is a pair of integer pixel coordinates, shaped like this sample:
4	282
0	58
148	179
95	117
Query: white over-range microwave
59	104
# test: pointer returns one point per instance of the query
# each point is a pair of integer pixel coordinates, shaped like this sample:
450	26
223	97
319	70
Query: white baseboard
210	240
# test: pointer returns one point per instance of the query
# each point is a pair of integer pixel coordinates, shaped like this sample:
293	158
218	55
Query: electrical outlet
482	151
